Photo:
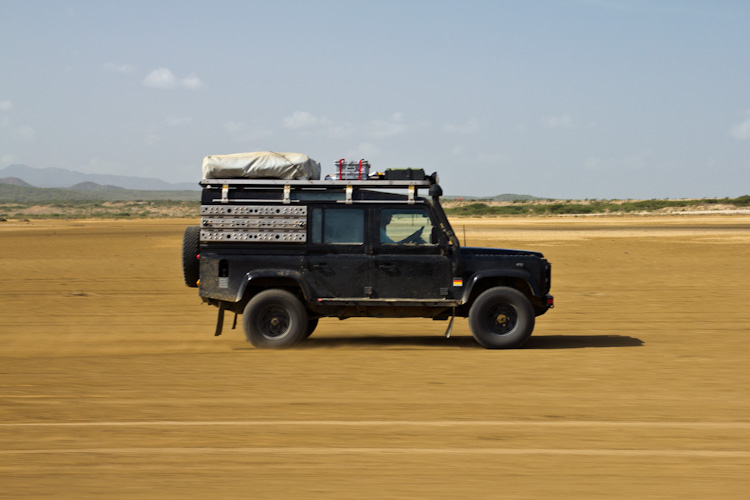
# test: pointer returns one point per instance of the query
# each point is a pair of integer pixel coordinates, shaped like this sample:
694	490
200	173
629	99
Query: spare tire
190	253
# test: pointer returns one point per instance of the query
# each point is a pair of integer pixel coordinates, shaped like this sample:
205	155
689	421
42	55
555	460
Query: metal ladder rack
348	185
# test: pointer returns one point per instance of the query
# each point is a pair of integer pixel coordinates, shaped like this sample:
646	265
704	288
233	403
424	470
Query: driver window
406	226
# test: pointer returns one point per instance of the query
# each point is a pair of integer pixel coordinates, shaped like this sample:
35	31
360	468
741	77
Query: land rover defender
283	253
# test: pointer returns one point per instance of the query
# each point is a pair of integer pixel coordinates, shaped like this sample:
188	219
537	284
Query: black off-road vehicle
284	253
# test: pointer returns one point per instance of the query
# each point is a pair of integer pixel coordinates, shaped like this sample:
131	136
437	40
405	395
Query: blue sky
555	98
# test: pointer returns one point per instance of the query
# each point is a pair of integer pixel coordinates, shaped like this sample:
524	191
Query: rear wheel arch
257	284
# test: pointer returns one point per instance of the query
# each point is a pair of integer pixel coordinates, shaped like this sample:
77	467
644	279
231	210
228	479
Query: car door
409	257
336	257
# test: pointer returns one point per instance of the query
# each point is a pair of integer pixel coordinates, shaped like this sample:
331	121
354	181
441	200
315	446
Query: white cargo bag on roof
261	165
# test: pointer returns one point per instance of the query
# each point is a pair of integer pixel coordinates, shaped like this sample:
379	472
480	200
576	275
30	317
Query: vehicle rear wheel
190	251
501	318
275	319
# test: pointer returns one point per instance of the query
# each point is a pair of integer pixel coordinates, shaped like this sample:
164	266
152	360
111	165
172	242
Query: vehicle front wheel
501	318
275	319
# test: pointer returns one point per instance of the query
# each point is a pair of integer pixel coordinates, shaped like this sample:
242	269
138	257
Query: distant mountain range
88	191
23	175
21	183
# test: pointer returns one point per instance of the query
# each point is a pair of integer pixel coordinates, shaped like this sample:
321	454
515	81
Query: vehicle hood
492	252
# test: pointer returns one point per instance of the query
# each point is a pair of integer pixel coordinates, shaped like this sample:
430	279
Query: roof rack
319	183
348	185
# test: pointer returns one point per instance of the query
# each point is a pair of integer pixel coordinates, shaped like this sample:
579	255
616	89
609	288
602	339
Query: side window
407	226
343	226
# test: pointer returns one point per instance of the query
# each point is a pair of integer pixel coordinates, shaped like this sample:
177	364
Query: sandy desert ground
637	385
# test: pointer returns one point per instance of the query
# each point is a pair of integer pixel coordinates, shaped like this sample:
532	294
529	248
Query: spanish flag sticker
458	282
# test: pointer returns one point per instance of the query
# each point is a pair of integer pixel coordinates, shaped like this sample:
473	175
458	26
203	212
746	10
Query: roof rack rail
389	184
346	185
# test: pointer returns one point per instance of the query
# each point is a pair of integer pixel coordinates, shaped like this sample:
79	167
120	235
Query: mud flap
450	325
219	320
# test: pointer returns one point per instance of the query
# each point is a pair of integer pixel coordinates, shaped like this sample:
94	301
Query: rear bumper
546	303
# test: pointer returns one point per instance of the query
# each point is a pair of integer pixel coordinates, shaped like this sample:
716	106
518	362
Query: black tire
311	325
190	251
501	318
275	319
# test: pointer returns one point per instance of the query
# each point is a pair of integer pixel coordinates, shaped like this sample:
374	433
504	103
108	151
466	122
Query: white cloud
119	68
163	78
339	130
6	105
469	127
394	125
557	122
741	131
192	82
176	121
311	125
23	133
303	119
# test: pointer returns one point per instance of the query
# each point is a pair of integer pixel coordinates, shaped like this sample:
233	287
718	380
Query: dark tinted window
344	226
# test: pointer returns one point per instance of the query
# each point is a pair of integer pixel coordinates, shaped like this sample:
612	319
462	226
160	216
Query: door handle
387	267
322	265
